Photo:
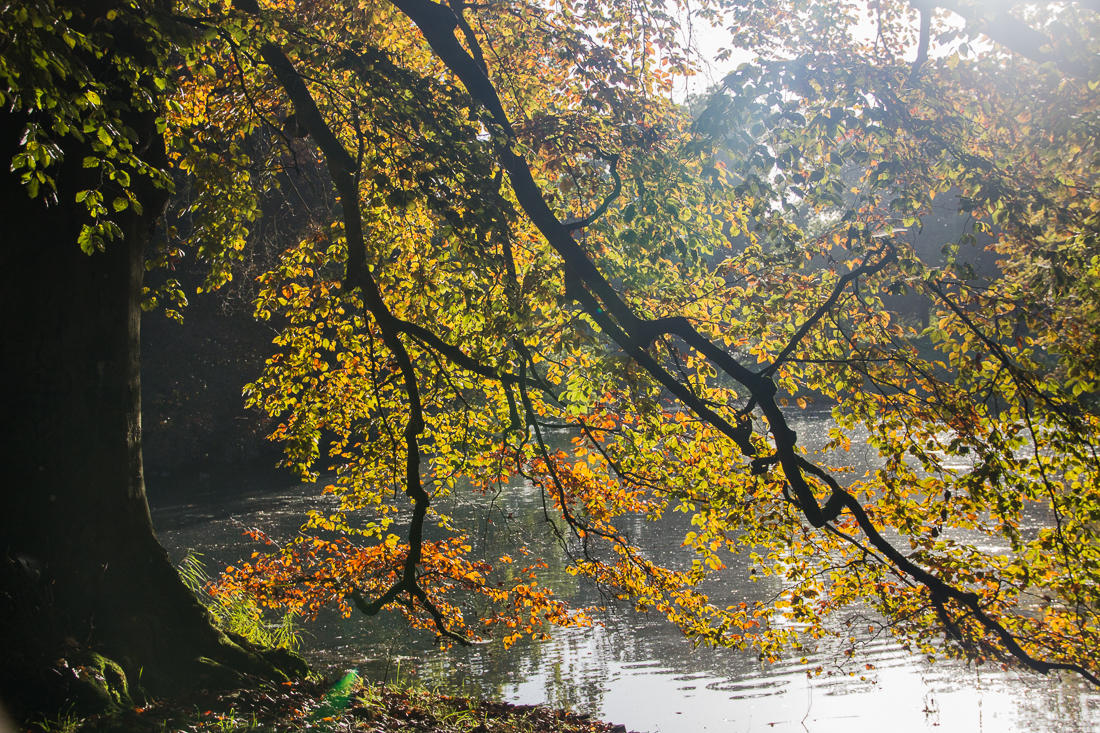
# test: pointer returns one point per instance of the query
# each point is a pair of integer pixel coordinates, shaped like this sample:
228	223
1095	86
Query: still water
631	668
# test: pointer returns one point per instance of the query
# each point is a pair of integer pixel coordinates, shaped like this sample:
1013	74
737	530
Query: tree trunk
82	575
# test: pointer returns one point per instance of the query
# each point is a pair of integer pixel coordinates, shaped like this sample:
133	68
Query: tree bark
81	571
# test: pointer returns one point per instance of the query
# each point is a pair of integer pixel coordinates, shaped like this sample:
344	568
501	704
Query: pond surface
631	668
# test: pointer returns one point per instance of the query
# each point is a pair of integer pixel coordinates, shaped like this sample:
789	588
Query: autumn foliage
507	227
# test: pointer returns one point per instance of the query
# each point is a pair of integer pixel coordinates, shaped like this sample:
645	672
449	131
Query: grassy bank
346	705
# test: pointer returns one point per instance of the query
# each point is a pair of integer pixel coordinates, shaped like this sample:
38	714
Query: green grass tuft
239	614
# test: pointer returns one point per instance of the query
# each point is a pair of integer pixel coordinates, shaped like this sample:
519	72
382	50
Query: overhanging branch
631	332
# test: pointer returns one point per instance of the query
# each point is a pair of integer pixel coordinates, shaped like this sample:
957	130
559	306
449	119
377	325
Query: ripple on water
633	670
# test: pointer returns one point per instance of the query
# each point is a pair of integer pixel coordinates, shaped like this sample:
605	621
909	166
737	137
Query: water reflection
636	669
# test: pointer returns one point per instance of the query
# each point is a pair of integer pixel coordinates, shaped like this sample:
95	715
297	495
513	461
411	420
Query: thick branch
1006	29
922	48
741	435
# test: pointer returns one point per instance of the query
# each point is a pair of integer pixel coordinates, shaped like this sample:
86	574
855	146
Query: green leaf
85	240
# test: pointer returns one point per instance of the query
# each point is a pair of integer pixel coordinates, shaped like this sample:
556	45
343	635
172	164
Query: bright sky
710	40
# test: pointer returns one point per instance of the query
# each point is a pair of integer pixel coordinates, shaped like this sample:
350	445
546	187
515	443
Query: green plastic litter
336	699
